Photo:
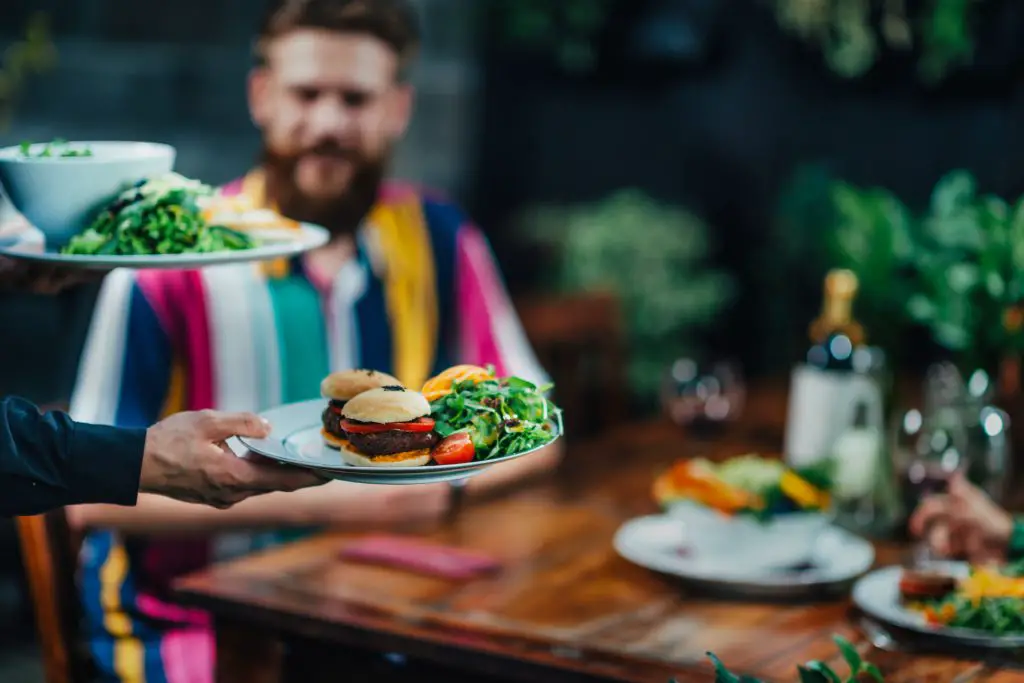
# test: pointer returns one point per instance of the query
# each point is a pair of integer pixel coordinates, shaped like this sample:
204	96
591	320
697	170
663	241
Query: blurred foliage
33	54
652	257
852	33
957	269
567	30
969	271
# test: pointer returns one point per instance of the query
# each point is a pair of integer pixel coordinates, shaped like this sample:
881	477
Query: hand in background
186	458
963	523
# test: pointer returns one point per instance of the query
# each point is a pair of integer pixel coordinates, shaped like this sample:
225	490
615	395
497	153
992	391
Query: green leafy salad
816	671
162	215
989	599
57	148
503	416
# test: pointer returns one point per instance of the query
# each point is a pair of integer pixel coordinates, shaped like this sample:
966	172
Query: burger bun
347	384
386	404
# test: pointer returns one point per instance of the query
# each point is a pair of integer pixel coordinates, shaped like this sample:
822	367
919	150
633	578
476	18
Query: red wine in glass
929	476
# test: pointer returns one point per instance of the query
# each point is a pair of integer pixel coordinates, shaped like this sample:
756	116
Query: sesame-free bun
386	404
405	459
347	384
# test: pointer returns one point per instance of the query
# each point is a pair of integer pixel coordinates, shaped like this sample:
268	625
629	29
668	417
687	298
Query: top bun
386	404
347	384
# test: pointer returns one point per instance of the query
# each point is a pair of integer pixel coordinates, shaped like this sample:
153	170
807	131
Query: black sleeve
48	461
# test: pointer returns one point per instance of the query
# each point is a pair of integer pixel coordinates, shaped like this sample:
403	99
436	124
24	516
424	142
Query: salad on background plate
162	215
748	509
987	599
747	485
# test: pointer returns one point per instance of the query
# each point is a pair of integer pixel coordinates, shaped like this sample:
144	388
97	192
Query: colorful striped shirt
422	293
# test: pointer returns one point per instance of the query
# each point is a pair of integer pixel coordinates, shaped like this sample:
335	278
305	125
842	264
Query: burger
388	427
339	388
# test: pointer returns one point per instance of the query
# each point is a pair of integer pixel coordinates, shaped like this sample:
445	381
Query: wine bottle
835	335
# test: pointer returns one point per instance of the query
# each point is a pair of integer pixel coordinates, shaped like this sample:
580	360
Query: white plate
661	543
19	241
878	596
783	541
295	439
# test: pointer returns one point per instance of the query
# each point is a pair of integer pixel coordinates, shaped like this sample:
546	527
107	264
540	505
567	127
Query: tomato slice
423	424
454	450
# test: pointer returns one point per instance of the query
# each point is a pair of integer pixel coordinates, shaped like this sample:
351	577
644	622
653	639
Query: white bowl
61	195
785	540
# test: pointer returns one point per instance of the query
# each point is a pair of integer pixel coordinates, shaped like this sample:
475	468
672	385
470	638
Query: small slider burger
339	388
388	427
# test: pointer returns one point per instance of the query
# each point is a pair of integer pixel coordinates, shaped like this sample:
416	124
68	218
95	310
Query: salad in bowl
748	508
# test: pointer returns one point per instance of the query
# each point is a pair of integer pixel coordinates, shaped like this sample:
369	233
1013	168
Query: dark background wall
725	135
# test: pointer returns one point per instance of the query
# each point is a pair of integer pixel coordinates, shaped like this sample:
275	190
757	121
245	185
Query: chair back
580	340
49	552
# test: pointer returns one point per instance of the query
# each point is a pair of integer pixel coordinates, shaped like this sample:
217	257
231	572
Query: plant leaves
722	674
809	675
873	671
849	653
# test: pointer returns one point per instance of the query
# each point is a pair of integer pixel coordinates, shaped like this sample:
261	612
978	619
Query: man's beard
341	214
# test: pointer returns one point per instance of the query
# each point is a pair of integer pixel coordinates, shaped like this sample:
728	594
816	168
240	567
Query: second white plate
26	243
660	543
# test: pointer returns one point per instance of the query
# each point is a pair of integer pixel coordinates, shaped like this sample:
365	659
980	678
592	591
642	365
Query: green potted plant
652	257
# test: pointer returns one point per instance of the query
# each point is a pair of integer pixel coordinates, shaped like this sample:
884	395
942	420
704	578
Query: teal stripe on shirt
301	338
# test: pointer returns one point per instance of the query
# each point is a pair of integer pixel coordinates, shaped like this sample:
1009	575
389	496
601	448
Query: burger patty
332	421
386	443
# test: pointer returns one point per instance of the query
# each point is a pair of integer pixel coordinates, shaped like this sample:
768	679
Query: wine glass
703	397
938	453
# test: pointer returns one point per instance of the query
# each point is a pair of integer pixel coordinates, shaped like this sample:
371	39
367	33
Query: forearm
48	461
333	503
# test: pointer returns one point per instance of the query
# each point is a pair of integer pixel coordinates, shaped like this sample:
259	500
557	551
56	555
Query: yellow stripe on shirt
400	229
129	656
176	397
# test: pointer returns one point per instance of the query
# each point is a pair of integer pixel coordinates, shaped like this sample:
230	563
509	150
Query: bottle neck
837	310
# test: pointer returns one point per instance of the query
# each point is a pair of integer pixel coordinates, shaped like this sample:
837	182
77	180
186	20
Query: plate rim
740	581
369	472
313	236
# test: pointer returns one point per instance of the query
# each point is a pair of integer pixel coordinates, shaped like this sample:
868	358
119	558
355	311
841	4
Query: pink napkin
432	559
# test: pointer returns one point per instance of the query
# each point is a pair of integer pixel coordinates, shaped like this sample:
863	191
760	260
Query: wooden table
565	606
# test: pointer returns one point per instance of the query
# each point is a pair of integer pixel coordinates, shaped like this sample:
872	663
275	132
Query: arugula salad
162	215
502	416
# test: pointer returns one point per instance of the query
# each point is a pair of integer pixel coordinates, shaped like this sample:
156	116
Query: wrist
150	476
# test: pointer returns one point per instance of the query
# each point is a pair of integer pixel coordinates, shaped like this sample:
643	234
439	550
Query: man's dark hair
393	21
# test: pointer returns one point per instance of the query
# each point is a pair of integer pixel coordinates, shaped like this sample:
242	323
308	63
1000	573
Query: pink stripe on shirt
476	301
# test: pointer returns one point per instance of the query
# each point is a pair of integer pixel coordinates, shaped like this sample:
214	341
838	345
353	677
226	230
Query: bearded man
406	286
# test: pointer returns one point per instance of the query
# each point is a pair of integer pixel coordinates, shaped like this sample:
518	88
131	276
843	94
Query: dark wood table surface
564	606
